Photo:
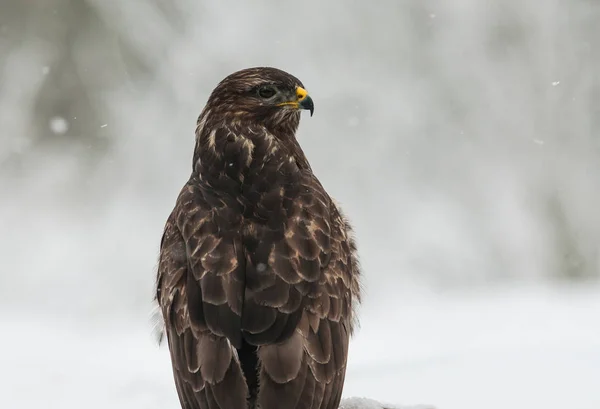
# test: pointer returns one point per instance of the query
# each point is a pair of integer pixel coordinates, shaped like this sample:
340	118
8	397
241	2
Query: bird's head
264	95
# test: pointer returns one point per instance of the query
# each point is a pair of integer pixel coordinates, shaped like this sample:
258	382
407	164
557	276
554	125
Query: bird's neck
247	161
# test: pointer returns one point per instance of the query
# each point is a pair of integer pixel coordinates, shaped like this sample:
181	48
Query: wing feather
315	263
200	290
277	271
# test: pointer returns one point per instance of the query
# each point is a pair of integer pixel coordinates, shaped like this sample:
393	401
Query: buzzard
258	276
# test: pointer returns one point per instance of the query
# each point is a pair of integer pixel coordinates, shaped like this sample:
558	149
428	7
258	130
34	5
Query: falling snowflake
59	125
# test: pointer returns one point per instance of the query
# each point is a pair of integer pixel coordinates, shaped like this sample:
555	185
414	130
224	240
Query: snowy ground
510	348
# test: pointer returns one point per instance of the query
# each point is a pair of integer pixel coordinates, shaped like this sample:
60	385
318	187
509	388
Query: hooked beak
302	101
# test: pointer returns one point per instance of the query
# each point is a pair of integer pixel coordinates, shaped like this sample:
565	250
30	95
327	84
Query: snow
59	125
366	403
527	347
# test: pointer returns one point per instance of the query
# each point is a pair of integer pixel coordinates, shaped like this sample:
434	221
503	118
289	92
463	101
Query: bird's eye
266	92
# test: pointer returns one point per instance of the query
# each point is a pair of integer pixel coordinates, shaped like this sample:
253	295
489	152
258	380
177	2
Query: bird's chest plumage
254	173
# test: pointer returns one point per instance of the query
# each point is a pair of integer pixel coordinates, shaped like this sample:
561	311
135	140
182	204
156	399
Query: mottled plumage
258	276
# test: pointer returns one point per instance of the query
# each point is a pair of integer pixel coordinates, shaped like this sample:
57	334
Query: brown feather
276	295
231	392
277	395
212	289
214	355
293	303
308	393
281	362
258	277
319	344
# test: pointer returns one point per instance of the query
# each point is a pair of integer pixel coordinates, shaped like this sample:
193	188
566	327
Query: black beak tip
307	103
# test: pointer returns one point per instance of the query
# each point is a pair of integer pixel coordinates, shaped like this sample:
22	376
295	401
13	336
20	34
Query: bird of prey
258	275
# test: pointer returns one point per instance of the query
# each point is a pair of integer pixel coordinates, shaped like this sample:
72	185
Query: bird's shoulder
198	198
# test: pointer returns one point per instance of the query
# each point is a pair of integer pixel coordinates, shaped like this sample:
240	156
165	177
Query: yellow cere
301	93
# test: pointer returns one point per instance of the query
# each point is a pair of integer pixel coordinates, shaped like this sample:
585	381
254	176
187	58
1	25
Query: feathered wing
200	288
224	282
311	274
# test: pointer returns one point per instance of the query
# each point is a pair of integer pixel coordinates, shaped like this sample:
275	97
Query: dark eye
266	91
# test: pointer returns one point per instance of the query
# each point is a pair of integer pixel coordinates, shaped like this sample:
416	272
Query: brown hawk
258	276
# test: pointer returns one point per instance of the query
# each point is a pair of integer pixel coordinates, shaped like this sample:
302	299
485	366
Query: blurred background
462	139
